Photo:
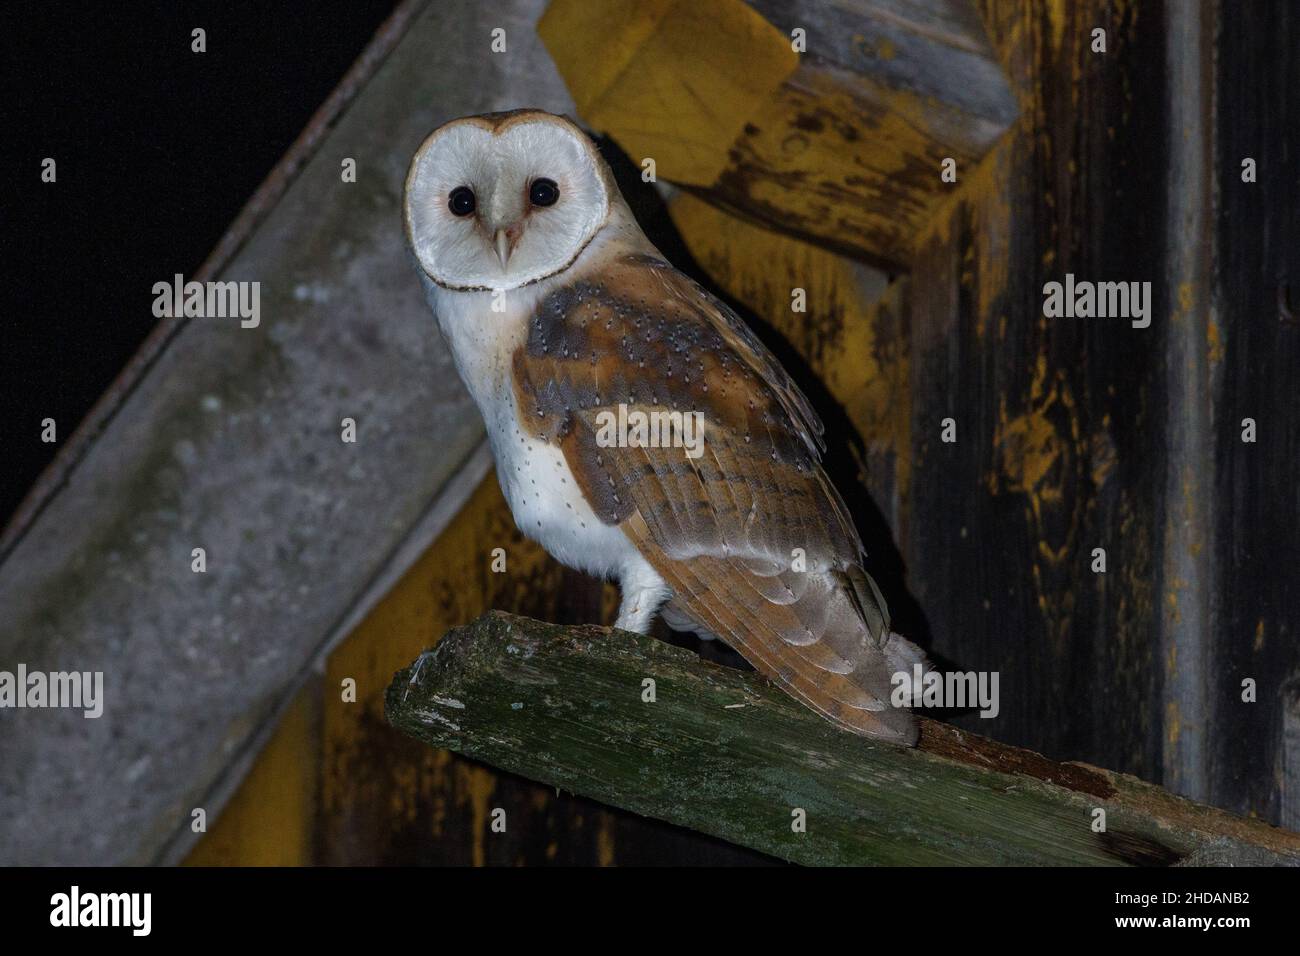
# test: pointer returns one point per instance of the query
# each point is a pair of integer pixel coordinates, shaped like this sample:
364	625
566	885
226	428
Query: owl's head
502	200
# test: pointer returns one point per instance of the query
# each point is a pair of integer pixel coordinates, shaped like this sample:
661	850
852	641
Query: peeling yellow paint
984	186
605	840
1175	616
1186	299
1173	723
848	160
670	79
1214	342
1033	456
1102	454
1036	452
1057	18
479	783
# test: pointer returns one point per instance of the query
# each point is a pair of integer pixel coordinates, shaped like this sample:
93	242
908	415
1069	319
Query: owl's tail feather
897	665
822	637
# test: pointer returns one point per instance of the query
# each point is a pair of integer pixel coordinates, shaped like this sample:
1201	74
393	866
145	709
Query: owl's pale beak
504	244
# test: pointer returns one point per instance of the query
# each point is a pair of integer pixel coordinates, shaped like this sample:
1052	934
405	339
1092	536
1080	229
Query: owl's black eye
543	192
461	201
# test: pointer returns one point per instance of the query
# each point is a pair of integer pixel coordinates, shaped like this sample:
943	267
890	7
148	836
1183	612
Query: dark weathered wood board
1058	425
1254	750
1082	433
836	138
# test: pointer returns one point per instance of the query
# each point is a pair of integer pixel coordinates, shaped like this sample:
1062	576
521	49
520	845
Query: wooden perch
723	752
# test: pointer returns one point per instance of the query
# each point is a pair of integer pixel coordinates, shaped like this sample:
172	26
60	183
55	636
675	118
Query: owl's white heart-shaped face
497	202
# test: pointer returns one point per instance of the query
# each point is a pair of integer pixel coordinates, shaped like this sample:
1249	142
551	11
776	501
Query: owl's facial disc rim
416	193
452	287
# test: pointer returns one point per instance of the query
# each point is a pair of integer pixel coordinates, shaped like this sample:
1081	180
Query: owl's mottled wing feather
725	529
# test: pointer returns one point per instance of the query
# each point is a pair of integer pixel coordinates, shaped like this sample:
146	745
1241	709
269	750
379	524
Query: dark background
157	149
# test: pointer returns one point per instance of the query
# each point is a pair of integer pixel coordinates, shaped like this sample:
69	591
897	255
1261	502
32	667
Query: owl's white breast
538	484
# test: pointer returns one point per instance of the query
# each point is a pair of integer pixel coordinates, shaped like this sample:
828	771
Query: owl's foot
643	593
637	610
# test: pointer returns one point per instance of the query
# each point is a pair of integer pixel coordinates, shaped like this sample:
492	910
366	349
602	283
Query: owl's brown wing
751	536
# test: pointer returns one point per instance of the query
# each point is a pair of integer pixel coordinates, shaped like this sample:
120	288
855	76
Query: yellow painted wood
448	584
846	161
835	146
269	820
674	80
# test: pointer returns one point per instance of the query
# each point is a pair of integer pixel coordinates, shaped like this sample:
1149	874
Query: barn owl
560	316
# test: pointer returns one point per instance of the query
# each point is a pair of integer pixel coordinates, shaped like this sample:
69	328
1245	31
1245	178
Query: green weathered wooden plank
723	752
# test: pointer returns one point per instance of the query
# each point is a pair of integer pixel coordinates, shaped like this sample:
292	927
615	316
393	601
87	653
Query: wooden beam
670	79
840	143
721	751
1078	434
